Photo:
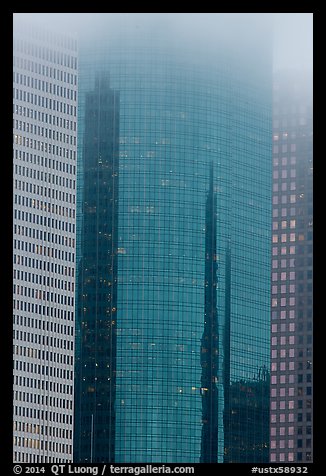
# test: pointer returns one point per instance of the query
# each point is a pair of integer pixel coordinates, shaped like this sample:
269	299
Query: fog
293	41
292	32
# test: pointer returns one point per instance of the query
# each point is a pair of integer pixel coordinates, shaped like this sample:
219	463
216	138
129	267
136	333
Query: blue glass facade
97	277
194	195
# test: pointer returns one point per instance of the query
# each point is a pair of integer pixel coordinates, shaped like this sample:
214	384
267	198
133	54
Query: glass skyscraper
173	244
44	206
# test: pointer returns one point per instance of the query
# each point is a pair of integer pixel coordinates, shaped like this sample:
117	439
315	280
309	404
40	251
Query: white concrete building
44	207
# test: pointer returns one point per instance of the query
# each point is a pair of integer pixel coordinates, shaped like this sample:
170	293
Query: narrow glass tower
97	283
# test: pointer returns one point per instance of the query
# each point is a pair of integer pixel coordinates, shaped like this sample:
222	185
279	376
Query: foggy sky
292	39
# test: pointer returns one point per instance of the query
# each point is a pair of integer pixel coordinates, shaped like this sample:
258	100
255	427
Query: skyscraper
44	174
173	244
97	282
291	323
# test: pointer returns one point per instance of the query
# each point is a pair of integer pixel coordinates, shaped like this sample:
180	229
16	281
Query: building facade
97	283
173	247
291	321
44	175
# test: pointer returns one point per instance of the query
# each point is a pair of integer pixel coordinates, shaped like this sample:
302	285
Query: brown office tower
291	319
